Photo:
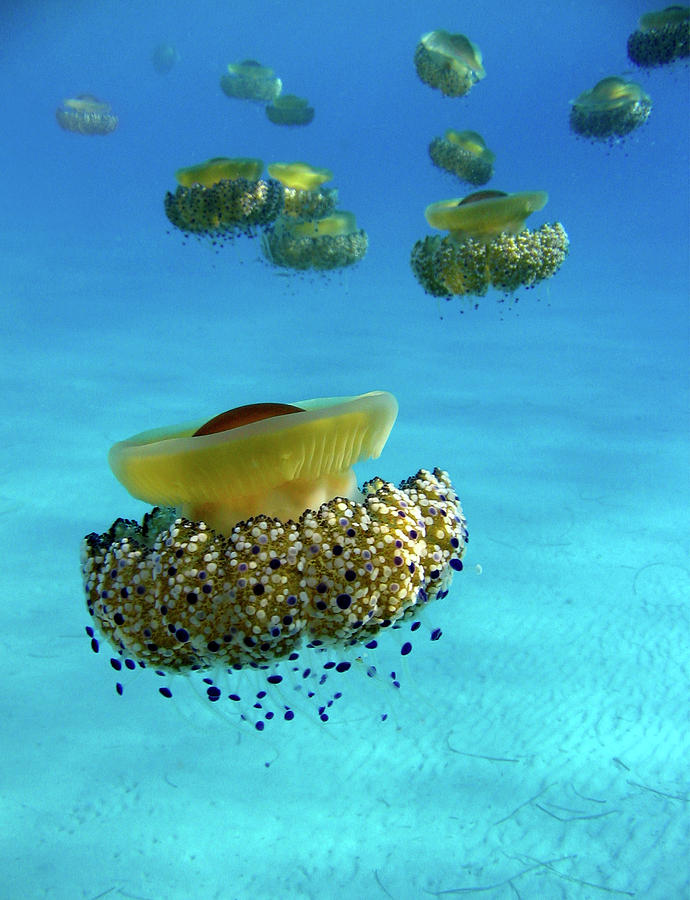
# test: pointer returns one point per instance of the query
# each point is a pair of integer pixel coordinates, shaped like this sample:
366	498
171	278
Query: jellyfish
463	153
289	109
661	37
332	242
164	58
450	62
304	195
223	197
249	80
612	109
262	557
487	245
86	114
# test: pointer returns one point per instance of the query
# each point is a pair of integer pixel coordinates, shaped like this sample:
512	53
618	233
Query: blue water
538	750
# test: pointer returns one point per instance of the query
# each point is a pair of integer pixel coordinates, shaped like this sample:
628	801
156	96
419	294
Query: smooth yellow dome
485	214
457	49
299	175
218	169
277	465
611	93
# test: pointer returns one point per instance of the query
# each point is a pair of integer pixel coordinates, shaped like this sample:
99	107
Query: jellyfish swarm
451	63
86	114
222	198
661	37
610	110
487	245
464	154
295	603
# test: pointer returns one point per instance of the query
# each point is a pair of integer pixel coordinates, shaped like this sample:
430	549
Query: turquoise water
540	748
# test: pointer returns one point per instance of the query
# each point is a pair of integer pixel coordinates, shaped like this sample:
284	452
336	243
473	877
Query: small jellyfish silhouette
452	63
222	198
249	80
465	154
611	110
264	572
164	58
332	242
661	37
86	114
305	196
487	245
288	109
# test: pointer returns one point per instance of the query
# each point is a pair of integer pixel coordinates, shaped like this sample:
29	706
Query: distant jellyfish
264	572
164	58
661	37
465	154
86	114
450	62
611	110
487	245
249	80
288	109
305	196
332	242
222	198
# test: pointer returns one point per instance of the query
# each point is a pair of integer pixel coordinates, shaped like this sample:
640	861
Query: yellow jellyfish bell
457	48
339	223
220	168
299	175
485	214
87	103
237	466
471	141
610	93
670	16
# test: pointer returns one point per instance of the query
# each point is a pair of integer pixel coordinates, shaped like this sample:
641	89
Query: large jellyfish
661	37
487	245
332	242
465	154
223	197
612	109
86	114
249	80
450	62
305	196
288	109
263	557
